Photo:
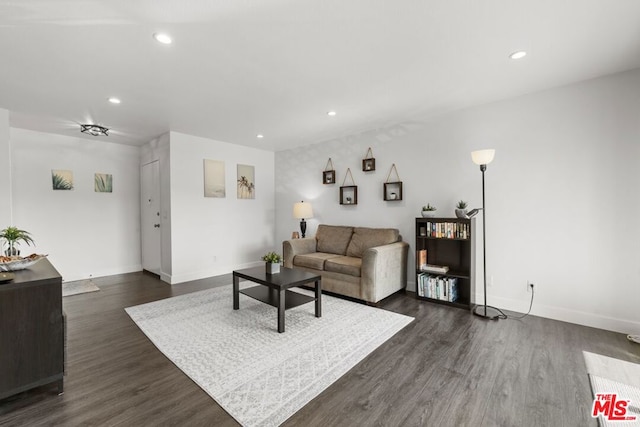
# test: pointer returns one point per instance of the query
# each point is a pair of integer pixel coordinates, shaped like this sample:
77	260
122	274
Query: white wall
84	233
5	171
561	194
212	236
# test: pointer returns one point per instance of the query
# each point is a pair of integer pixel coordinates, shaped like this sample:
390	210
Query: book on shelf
437	287
432	268
447	230
421	260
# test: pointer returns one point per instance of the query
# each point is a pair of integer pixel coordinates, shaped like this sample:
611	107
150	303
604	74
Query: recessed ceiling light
331	113
518	55
259	135
114	100
162	38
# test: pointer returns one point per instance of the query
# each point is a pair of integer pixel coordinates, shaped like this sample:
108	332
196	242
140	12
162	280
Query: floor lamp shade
302	210
483	157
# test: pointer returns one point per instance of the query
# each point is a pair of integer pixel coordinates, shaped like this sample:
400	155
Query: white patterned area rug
259	376
79	287
616	386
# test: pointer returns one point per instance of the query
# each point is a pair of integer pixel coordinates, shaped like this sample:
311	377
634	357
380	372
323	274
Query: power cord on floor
634	338
530	305
502	315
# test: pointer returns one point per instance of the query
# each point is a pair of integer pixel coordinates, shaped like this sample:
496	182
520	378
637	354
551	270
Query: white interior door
150	221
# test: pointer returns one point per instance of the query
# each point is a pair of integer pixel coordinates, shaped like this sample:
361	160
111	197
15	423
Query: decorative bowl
21	263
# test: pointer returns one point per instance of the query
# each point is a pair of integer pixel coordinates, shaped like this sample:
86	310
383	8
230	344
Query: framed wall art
246	182
214	178
103	183
62	179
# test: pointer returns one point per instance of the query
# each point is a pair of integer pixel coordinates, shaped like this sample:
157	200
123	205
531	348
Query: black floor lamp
483	158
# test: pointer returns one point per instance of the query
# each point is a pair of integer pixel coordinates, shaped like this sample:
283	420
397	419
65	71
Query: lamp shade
483	157
302	210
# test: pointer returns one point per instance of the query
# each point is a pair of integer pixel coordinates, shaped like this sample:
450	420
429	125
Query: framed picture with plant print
103	183
62	179
246	182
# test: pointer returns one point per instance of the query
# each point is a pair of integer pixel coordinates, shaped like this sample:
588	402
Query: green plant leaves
60	183
14	235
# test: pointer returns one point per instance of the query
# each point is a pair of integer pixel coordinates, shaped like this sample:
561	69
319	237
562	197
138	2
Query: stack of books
438	287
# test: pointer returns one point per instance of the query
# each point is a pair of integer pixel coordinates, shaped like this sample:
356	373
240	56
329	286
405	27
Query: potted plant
13	235
428	211
272	261
461	209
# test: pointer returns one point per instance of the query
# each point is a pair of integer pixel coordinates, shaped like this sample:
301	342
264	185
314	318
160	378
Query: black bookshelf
448	242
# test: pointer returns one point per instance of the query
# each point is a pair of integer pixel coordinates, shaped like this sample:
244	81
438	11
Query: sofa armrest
293	247
384	271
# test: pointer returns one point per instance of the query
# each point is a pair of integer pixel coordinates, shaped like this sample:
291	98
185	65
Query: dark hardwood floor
447	368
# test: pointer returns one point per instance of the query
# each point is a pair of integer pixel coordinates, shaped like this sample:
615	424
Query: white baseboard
176	279
564	314
557	313
102	273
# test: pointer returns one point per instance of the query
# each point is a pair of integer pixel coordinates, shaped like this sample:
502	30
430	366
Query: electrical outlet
490	282
529	286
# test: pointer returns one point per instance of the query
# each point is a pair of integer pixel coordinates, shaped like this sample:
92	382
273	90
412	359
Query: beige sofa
364	263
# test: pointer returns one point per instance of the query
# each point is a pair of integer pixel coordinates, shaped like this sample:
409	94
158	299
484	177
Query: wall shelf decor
392	190
369	163
329	174
348	193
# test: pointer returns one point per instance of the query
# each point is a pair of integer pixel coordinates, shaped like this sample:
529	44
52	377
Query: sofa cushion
333	239
314	260
365	238
344	265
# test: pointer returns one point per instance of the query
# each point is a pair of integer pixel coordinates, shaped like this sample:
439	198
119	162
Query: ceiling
238	68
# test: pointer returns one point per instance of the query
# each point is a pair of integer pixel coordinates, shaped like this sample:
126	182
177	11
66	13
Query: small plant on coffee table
272	261
272	257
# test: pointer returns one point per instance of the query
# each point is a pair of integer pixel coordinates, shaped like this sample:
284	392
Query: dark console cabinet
31	330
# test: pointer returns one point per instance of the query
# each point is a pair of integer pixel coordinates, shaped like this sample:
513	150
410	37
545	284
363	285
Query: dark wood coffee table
274	290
